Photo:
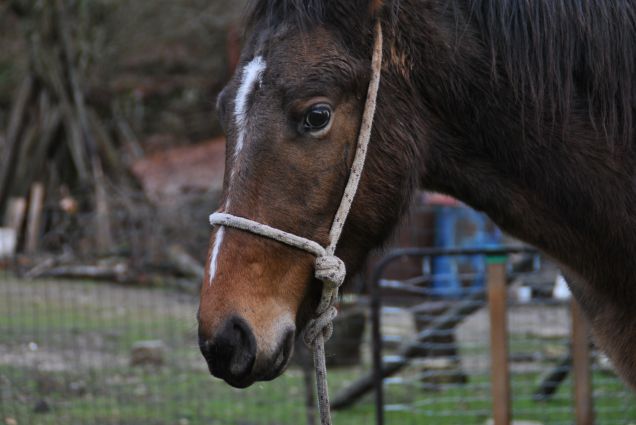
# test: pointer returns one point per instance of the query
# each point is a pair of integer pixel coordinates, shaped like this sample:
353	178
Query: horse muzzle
233	355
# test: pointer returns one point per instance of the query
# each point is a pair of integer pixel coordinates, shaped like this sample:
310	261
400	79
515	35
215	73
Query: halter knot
321	324
330	270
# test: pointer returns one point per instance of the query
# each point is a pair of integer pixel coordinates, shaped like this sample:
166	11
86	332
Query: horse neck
481	142
565	189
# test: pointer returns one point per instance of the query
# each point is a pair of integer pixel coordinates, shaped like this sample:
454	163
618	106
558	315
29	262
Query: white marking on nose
252	73
218	240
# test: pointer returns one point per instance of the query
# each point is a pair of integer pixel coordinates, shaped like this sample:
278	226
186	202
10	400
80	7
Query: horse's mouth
259	371
282	359
246	382
237	383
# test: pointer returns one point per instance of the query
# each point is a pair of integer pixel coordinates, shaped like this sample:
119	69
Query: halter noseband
328	268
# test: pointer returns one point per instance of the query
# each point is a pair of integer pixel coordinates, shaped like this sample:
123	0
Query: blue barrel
461	227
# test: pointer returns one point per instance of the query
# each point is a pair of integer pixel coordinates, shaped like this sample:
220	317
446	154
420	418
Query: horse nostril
205	346
231	354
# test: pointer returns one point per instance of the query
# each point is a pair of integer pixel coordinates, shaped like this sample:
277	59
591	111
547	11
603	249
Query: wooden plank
14	216
103	233
118	272
13	223
582	379
34	220
500	373
8	242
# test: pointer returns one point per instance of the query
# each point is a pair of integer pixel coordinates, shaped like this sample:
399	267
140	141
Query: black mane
554	52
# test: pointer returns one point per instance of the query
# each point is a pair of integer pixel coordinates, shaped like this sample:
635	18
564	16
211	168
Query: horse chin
281	360
248	382
279	367
240	384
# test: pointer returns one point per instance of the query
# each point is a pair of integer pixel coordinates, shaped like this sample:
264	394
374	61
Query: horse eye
317	118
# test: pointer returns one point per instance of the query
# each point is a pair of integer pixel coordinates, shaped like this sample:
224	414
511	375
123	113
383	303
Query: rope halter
328	268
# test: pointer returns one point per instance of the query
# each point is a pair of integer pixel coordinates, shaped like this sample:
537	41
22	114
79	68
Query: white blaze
252	73
218	240
250	76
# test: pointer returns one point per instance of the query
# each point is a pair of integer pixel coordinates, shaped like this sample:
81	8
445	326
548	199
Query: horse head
292	113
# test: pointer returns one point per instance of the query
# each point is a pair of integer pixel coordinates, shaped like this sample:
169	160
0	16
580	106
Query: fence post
376	337
34	220
582	378
500	375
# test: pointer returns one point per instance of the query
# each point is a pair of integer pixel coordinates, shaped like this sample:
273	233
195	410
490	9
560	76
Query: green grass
168	396
110	391
165	396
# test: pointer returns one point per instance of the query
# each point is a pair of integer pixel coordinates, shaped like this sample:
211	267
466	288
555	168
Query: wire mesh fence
442	351
95	353
122	350
100	352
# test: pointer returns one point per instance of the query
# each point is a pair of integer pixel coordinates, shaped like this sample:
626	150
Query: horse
522	110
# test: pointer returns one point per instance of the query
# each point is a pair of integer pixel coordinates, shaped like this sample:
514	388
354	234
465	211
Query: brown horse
520	109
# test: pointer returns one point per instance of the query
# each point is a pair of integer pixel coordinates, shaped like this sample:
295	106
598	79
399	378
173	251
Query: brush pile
70	198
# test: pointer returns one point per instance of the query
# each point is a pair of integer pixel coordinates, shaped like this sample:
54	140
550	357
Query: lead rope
328	268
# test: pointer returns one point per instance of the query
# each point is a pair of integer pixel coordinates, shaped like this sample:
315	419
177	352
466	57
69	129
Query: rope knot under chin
323	324
331	271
